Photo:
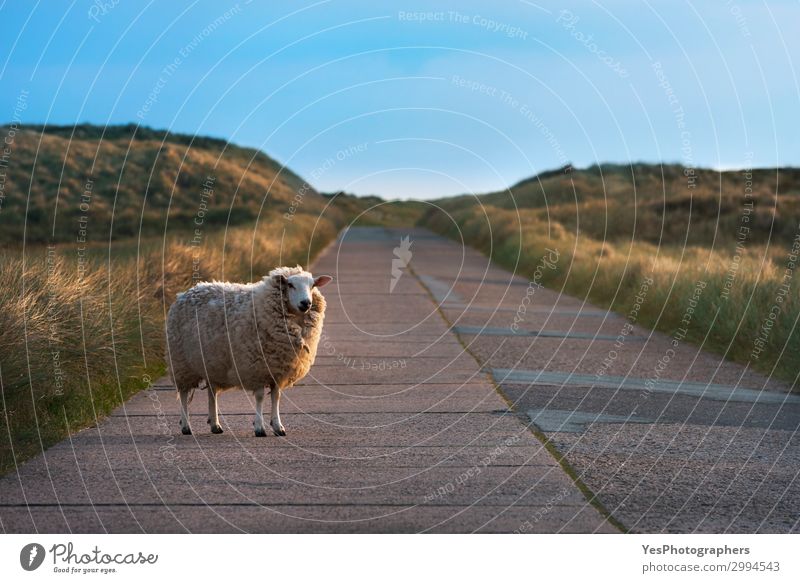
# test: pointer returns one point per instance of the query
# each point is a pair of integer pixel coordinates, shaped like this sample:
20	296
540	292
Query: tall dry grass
729	318
79	337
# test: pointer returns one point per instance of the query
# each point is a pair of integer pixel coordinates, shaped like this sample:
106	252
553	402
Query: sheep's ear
280	279
322	280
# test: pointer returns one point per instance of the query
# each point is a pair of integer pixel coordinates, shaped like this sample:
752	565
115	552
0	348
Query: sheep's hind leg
186	398
275	417
213	410
258	424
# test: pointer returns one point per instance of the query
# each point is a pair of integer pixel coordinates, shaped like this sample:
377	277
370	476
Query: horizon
415	103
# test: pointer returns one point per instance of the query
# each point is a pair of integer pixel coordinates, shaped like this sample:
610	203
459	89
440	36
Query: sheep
253	336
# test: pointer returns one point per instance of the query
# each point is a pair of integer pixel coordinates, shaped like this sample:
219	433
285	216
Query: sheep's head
296	287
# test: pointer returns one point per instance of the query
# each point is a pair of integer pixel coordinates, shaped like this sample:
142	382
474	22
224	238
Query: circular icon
31	556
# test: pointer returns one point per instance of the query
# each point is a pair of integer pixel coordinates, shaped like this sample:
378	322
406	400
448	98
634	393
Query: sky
417	99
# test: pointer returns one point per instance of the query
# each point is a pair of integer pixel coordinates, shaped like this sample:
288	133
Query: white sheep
252	336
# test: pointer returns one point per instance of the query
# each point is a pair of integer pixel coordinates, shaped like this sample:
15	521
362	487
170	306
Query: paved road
396	429
427	410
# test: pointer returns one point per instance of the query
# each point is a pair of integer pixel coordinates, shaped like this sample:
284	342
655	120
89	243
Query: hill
653	202
115	182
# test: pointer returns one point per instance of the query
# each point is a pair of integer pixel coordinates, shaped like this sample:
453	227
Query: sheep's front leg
186	429
275	417
258	424
213	410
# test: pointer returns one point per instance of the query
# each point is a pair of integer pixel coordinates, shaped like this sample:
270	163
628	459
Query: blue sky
407	100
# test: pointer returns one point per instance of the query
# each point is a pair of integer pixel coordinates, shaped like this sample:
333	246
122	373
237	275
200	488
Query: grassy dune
666	204
124	181
734	235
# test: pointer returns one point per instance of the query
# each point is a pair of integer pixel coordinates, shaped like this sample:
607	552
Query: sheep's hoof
280	432
186	430
216	429
261	433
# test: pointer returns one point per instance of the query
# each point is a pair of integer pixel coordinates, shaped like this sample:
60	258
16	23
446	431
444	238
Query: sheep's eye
291	285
